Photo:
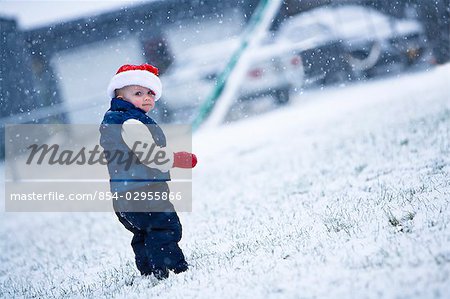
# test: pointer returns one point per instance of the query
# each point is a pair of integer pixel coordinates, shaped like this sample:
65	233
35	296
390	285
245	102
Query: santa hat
145	75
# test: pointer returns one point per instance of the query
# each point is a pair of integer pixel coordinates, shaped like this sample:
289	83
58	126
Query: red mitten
184	160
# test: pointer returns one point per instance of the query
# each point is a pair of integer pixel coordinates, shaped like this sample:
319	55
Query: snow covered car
193	76
348	41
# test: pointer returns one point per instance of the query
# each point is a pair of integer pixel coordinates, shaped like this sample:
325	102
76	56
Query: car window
342	22
353	21
301	33
212	54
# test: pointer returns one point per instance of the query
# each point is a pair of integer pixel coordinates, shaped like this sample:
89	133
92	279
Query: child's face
141	97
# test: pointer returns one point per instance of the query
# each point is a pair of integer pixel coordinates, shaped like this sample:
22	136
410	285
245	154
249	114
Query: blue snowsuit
156	234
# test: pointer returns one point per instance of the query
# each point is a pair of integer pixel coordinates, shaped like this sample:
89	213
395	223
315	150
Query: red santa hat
145	75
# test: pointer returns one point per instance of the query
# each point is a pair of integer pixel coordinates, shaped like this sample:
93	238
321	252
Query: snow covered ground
344	193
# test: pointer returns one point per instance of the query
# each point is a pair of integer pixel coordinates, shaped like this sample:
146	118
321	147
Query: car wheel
365	61
282	96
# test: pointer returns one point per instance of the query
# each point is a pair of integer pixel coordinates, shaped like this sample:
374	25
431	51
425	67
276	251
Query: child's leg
157	234
162	233
162	239
138	245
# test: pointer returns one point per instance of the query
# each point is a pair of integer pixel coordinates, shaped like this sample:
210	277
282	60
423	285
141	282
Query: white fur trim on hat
135	77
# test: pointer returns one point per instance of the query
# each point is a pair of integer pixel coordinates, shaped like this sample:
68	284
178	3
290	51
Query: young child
125	129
